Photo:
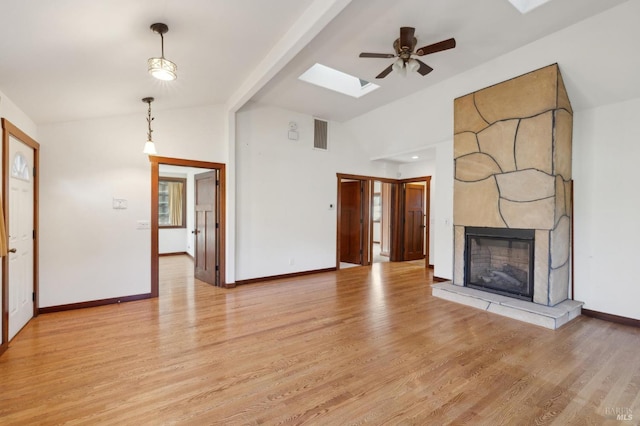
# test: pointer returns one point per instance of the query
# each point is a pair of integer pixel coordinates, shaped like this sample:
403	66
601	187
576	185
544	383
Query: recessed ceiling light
338	81
414	157
525	6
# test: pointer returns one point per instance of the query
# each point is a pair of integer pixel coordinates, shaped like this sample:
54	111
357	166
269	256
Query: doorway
20	205
416	207
394	211
207	224
380	222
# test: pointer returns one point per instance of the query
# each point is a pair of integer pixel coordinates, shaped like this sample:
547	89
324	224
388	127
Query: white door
20	233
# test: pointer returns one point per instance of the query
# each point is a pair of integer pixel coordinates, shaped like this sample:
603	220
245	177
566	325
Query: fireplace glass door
500	261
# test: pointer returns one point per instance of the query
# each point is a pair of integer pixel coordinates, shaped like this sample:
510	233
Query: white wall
172	240
17	117
284	189
606	150
89	251
443	211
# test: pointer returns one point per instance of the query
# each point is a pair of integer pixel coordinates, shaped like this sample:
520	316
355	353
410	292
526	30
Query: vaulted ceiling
69	60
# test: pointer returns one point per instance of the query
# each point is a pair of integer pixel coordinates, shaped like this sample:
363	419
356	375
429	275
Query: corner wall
90	251
284	189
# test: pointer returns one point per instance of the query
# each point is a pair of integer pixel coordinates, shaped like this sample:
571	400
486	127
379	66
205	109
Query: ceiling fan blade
437	47
385	72
377	55
424	68
406	37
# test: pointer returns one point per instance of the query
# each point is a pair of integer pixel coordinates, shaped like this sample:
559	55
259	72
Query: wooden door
206	227
351	226
21	234
414	226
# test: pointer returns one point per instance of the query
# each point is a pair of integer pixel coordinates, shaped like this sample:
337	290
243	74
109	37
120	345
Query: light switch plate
119	203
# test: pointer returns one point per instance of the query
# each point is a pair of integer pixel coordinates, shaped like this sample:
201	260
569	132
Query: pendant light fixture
161	68
149	146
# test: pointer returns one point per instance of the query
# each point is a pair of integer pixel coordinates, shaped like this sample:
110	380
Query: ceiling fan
404	47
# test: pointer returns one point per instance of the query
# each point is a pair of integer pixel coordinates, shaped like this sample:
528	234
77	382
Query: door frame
396	220
8	130
364	213
155	174
427	228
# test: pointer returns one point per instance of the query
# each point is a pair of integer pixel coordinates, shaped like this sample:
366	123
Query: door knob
12	250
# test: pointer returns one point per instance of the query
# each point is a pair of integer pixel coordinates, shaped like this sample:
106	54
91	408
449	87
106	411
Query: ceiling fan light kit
399	67
405	50
162	68
412	65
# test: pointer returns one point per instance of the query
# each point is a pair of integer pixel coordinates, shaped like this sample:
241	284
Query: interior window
172	202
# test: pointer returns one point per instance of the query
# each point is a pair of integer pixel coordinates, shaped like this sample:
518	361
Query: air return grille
320	134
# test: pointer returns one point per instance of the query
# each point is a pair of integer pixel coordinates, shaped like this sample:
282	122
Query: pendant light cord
149	120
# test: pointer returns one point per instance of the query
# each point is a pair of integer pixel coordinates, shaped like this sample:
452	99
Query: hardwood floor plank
345	347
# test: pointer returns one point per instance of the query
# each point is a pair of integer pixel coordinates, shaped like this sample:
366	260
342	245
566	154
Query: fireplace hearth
500	260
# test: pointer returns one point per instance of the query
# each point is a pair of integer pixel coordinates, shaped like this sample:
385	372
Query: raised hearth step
551	317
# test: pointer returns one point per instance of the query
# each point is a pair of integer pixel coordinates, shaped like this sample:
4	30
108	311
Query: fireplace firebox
500	260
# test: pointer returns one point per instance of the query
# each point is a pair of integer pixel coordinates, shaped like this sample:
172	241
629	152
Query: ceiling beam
310	23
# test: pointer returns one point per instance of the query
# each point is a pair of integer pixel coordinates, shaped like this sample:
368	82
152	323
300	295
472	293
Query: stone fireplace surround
512	155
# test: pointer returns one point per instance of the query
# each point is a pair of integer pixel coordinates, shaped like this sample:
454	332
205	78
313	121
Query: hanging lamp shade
412	65
150	148
399	67
162	68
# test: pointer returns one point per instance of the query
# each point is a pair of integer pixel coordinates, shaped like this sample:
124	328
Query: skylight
338	81
525	6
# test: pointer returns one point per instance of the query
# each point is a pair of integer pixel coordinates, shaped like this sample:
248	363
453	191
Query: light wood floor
362	345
